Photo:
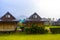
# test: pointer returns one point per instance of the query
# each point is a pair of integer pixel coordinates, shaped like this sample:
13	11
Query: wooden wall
7	26
39	24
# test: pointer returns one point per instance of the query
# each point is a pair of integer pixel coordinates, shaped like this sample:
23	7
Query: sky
45	8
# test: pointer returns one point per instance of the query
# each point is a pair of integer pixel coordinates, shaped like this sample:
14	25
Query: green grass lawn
20	36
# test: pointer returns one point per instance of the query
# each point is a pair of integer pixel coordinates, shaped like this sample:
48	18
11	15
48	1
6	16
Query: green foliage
27	30
55	30
35	29
22	27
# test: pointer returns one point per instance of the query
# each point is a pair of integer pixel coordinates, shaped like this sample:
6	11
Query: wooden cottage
34	19
8	22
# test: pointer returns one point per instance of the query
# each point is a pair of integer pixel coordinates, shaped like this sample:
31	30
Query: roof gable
35	16
8	16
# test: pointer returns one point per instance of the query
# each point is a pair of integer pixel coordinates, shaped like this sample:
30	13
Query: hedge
55	30
35	29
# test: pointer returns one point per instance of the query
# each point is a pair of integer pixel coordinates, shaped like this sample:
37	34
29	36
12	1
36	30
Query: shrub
35	29
22	27
27	30
55	30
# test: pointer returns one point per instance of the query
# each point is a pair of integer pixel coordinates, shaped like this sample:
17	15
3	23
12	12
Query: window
35	16
8	16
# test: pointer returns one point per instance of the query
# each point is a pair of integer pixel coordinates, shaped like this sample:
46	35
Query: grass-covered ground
21	36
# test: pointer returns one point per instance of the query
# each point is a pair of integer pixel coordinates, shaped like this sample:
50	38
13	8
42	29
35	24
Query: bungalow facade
34	19
8	23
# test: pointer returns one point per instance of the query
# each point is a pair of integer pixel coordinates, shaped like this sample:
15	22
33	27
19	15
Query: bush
55	30
22	27
35	29
27	30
